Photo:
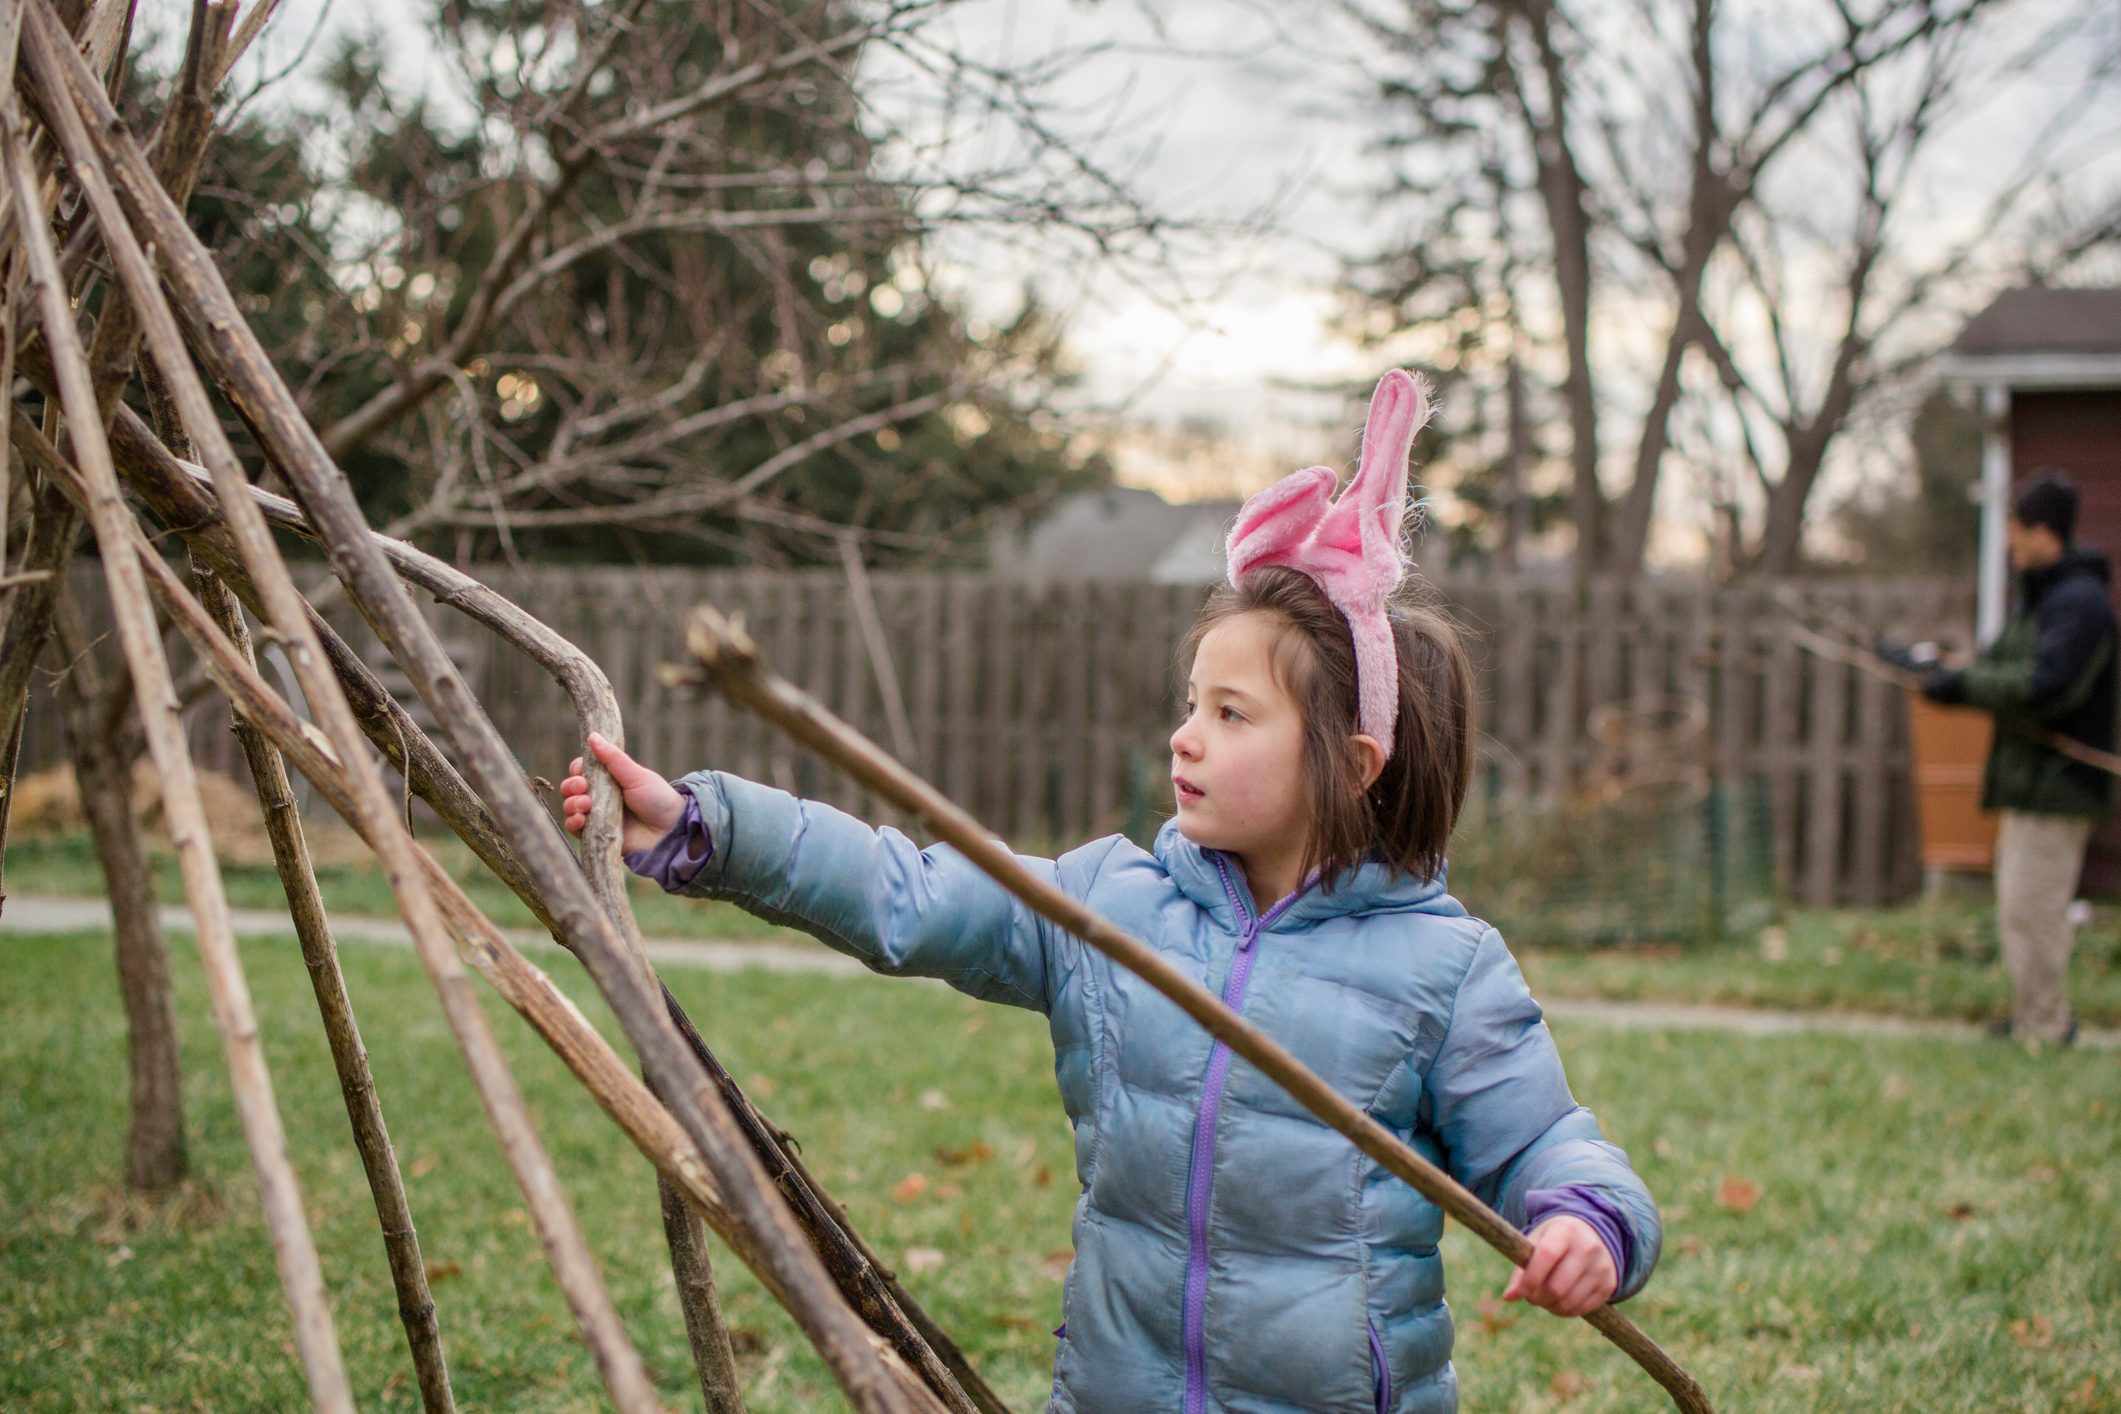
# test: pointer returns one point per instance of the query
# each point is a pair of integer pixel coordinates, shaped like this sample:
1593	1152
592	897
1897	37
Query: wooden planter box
1950	746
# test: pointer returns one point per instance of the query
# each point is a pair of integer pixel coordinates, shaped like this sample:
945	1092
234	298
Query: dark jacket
2052	669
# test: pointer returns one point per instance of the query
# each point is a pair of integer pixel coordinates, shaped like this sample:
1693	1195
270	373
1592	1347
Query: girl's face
1237	756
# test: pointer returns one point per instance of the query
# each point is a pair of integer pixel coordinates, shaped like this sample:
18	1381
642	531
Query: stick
364	1108
61	84
177	493
620	1093
1865	661
231	351
294	1251
878	648
731	662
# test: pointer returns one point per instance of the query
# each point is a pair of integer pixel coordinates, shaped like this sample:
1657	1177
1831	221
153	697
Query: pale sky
1217	114
1252	316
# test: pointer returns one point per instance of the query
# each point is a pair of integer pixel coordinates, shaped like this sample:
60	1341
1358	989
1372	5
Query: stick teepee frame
719	1161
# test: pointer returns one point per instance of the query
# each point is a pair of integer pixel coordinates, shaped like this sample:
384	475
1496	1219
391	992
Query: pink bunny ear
1275	523
1350	547
1365	522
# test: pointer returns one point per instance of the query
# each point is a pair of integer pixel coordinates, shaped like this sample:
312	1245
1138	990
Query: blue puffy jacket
1231	1252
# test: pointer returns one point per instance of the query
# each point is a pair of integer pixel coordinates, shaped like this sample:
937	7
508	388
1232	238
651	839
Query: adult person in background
2051	670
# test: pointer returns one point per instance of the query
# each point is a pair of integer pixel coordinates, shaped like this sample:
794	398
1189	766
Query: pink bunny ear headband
1350	546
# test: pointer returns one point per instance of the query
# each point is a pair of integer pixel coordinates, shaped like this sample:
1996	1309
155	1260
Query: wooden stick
62	84
1865	661
178	493
364	1108
616	1089
241	368
295	1253
730	661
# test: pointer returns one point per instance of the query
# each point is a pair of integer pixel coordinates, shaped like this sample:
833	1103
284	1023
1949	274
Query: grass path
1853	1222
1932	958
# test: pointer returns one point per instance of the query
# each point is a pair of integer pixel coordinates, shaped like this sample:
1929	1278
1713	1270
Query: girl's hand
1571	1272
653	805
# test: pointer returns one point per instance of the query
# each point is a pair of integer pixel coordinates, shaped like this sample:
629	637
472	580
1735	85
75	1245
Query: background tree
667	294
1729	228
1927	522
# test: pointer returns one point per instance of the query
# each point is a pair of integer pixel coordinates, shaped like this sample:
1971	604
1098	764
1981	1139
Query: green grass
1938	1225
1933	958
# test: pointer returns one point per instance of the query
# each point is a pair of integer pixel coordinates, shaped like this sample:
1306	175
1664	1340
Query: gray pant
2038	858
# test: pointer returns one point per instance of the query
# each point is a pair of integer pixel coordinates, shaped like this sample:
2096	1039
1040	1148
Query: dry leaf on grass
1959	1212
1055	1263
977	1152
934	1100
439	1272
912	1186
1567	1385
1493	1317
1737	1195
2035	1334
921	1259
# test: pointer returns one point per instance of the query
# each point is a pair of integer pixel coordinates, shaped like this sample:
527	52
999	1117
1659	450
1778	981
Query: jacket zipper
1200	1175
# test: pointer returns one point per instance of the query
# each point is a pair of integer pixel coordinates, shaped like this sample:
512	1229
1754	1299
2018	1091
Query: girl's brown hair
1406	818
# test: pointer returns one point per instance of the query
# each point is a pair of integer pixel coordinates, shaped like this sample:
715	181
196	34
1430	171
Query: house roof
1120	533
2041	338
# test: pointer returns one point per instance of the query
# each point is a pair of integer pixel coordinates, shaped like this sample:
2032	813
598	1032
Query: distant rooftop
1120	533
2035	338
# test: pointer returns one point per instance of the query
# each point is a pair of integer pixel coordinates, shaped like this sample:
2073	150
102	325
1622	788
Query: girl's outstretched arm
863	891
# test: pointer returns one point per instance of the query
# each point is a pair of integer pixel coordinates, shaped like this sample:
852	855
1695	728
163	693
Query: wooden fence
1045	710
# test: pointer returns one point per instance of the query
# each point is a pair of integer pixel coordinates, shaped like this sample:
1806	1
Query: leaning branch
727	659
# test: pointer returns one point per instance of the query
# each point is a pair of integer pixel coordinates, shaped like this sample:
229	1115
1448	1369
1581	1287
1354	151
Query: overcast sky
1218	116
1216	113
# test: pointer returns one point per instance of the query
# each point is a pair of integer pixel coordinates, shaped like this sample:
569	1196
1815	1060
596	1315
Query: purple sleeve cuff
1575	1200
677	858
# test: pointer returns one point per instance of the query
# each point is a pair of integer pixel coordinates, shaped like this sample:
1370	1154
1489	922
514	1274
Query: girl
1231	1252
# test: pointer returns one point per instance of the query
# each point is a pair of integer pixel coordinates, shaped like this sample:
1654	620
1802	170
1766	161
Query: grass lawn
1852	1224
1934	957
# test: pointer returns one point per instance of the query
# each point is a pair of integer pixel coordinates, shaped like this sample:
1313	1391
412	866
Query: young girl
1231	1251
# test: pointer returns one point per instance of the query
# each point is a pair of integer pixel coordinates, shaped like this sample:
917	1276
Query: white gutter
1992	594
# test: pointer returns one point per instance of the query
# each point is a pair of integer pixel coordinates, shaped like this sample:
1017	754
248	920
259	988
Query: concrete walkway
31	914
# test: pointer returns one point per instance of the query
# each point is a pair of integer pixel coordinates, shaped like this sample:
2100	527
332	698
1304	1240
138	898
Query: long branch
240	366
621	1094
349	1058
77	111
294	1250
728	659
174	491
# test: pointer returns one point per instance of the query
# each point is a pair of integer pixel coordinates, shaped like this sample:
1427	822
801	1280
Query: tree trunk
1561	190
1782	539
154	1137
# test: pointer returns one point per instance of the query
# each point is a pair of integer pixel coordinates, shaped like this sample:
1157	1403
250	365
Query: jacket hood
1371	887
2076	561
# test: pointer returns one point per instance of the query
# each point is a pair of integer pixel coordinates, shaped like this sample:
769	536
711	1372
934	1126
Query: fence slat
1045	709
